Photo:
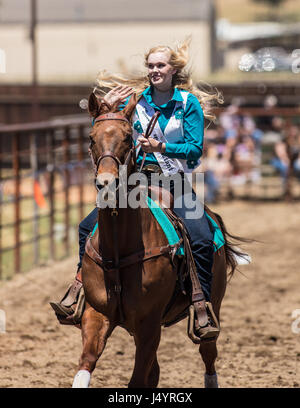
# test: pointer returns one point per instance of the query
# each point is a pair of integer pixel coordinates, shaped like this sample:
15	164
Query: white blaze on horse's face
160	70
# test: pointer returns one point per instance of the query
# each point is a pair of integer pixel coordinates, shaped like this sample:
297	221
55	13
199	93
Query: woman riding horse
176	148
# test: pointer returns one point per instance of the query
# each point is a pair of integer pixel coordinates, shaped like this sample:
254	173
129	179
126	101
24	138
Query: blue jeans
85	227
202	242
282	168
200	234
212	186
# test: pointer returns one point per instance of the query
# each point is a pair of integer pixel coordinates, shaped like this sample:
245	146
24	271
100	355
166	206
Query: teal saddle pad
170	231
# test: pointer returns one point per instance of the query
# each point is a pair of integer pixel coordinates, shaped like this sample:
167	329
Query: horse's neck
127	234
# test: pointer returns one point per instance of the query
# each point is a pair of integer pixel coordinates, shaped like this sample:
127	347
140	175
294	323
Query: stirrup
209	332
71	315
70	309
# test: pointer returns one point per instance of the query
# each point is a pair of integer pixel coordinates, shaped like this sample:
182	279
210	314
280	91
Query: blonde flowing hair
179	58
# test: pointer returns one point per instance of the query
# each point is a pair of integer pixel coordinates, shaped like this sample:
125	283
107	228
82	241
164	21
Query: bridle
118	116
108	153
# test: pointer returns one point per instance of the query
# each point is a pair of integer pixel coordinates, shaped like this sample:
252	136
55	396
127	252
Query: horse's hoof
211	381
82	379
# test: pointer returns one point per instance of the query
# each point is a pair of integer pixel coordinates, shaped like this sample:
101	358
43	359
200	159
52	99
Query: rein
149	130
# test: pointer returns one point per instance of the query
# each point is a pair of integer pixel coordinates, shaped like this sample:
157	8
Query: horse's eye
128	136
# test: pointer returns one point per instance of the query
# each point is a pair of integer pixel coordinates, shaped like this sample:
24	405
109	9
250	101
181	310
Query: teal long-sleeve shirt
193	128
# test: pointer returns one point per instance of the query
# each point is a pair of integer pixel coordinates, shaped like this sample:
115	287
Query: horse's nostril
107	182
102	185
99	186
105	179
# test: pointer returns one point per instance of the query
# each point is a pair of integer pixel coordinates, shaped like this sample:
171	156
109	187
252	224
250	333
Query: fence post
66	145
35	219
51	184
81	173
16	170
1	197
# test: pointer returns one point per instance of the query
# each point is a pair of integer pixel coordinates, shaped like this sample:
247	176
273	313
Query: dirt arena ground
257	346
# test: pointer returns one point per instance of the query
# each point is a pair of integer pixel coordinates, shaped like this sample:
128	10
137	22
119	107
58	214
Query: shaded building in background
77	38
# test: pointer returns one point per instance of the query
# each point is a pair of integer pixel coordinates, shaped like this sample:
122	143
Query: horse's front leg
209	354
146	368
96	329
153	377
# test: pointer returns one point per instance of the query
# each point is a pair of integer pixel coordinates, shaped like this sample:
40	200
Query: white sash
173	134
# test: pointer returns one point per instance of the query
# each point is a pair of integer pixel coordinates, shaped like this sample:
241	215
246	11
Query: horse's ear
93	107
128	110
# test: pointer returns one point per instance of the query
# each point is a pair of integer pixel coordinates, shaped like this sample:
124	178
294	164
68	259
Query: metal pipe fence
45	190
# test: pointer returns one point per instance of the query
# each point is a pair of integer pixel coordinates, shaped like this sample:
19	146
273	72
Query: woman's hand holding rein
151	145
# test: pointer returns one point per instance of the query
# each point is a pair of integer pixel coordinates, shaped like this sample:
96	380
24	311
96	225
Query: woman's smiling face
160	71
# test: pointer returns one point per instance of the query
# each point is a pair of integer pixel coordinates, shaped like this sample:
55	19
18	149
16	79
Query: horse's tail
232	251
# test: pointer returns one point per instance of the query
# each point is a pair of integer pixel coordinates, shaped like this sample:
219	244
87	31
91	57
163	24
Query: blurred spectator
232	153
243	158
230	121
217	168
236	148
277	125
287	153
250	129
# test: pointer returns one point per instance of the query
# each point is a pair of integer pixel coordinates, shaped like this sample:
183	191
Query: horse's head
111	139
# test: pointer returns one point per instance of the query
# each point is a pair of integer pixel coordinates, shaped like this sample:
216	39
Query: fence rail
45	191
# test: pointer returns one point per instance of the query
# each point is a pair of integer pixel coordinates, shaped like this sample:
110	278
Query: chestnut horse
142	288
